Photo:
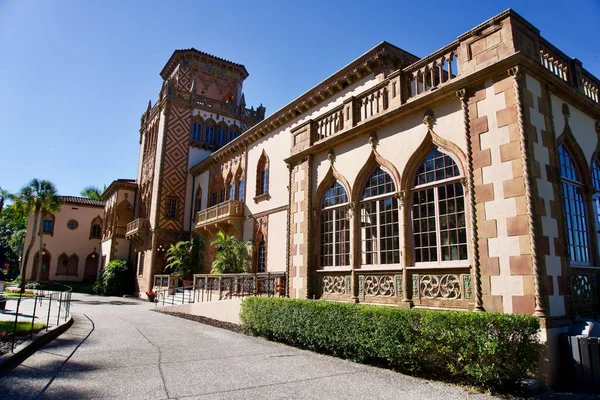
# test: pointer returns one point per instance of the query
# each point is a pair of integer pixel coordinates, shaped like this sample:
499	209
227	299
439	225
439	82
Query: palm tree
185	257
37	197
232	255
4	194
93	192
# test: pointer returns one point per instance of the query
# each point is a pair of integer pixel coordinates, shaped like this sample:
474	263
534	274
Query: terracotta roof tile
81	200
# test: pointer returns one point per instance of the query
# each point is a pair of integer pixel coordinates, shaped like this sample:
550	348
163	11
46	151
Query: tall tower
200	108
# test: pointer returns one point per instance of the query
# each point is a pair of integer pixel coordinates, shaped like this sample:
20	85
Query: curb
27	348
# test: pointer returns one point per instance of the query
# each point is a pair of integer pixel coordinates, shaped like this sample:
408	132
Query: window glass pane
368	232
380	182
389	231
436	166
342	237
596	175
336	194
424	225
453	233
197	131
576	221
327	238
264	182
262	257
567	166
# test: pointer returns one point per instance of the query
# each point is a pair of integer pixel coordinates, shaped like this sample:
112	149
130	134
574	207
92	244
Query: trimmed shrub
485	349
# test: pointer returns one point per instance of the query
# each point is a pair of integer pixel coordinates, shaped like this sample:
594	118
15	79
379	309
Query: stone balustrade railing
372	102
432	72
554	60
231	208
590	86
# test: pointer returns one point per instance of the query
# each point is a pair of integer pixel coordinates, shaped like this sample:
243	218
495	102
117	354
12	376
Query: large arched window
197	131
221	135
438	211
62	266
596	183
379	228
335	228
575	214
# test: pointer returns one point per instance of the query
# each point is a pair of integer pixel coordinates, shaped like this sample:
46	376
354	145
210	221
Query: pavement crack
162	376
55	374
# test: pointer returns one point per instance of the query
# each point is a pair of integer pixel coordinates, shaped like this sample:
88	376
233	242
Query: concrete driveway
119	349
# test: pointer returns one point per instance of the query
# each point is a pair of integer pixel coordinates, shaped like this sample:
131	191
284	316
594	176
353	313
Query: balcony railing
137	230
119	231
228	212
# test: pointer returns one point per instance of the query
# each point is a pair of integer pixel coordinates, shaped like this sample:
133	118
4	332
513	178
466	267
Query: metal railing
48	307
212	287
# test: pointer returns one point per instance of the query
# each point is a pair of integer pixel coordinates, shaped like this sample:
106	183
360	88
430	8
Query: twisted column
288	232
517	75
470	186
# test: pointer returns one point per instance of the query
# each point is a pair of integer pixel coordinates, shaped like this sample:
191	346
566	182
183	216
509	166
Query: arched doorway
91	267
45	273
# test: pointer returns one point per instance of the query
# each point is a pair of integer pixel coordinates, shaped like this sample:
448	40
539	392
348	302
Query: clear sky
75	76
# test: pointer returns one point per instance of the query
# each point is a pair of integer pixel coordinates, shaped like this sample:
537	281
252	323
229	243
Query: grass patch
6	327
16	294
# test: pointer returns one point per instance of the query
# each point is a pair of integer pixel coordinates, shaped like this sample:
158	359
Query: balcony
221	216
138	231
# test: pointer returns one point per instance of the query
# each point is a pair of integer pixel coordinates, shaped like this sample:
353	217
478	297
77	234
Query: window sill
262	197
334	269
438	266
590	267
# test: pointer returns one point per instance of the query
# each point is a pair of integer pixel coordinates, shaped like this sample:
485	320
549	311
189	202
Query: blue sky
75	76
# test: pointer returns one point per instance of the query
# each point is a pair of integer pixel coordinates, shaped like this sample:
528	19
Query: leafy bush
232	255
494	350
115	279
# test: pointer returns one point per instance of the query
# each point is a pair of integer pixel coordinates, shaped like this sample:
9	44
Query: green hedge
493	350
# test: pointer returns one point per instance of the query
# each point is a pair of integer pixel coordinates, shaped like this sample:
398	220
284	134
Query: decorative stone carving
379	285
373	140
582	288
331	156
399	286
334	285
467	286
440	286
566	111
429	119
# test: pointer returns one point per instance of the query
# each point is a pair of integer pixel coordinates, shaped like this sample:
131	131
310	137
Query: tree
37	197
13	226
93	192
4	195
115	279
185	258
232	255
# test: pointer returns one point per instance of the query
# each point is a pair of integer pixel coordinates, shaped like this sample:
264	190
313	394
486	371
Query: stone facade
431	182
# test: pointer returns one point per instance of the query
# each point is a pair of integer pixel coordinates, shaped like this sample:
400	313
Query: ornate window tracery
575	212
335	227
379	221
438	211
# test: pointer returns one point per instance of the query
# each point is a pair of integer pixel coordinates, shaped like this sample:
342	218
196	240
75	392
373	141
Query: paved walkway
119	349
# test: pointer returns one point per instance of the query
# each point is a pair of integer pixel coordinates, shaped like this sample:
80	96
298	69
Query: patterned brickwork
501	210
184	77
299	210
548	191
174	167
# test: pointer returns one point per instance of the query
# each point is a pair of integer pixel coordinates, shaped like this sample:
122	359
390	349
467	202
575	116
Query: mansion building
467	179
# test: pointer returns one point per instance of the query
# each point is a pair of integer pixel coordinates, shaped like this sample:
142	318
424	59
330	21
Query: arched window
90	270
438	211
379	228
48	224
45	272
209	133
62	264
575	214
221	136
198	200
261	259
335	228
96	228
232	135
241	190
197	131
72	265
262	175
